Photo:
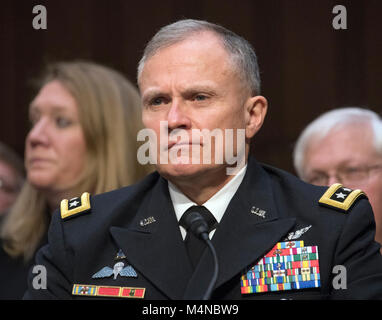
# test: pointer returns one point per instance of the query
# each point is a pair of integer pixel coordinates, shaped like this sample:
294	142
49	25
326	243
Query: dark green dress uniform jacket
140	220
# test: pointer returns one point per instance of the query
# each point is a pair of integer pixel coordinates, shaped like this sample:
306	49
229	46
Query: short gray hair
239	49
330	120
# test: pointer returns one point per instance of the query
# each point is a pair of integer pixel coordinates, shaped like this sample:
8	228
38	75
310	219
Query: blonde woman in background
85	120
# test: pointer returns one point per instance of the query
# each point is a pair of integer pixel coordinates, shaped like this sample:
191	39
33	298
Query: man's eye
200	97
157	101
351	170
319	180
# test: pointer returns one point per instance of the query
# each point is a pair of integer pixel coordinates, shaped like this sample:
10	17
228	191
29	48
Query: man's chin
183	171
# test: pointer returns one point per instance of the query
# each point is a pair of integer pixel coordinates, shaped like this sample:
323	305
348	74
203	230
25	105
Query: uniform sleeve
360	255
57	261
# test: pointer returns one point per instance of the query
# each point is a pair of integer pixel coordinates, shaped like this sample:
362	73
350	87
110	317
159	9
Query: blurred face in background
347	155
55	148
9	186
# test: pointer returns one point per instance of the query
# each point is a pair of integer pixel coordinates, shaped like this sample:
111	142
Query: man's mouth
181	144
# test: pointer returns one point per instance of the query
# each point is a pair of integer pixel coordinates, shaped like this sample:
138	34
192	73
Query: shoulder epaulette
340	198
75	206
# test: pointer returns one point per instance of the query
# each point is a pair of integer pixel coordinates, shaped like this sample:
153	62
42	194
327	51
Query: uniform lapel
242	237
157	250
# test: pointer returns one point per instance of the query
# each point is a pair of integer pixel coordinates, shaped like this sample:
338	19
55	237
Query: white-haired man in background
344	145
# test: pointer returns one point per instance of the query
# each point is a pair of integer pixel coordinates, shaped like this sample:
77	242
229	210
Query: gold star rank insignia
340	198
75	206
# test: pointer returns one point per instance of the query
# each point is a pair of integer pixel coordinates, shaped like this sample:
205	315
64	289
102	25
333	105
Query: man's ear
256	109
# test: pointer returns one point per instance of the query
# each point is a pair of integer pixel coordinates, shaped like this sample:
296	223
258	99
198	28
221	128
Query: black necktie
194	245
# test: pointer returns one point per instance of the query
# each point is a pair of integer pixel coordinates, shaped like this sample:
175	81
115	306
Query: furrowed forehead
239	52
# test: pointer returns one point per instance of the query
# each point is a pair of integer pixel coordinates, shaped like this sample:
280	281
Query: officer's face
55	146
193	85
347	156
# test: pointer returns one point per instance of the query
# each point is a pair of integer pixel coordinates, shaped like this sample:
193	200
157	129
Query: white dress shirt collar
217	204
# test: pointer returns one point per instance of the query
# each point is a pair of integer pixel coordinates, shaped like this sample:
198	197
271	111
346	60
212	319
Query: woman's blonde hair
110	116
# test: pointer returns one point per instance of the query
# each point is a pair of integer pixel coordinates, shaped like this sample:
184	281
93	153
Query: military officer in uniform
275	236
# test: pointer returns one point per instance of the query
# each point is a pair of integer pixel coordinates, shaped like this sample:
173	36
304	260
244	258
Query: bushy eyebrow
192	89
199	89
150	94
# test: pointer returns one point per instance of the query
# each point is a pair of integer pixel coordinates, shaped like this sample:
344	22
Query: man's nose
39	135
177	116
